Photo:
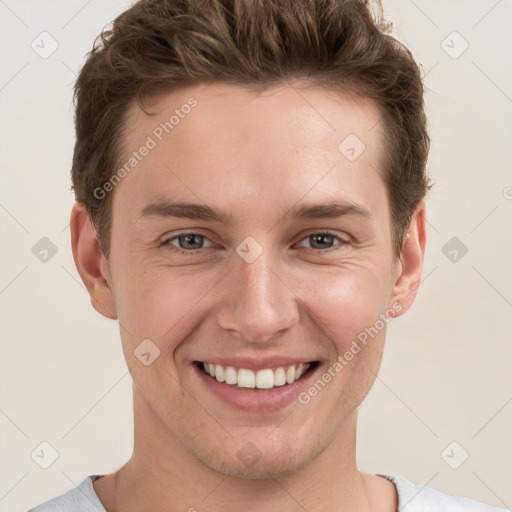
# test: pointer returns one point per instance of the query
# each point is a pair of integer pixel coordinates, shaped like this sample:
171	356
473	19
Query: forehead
296	113
220	140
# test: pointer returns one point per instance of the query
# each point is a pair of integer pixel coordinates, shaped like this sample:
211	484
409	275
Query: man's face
265	290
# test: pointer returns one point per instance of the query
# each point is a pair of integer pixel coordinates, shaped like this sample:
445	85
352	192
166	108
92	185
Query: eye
190	243
324	240
185	242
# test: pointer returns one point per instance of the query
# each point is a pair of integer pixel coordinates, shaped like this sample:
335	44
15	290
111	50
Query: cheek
346	302
162	304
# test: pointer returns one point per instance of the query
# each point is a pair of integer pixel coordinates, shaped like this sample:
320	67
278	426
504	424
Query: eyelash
177	250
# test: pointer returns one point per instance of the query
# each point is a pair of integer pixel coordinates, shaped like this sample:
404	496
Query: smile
266	378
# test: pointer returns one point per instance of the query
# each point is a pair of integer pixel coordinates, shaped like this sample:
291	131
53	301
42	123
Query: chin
261	470
275	460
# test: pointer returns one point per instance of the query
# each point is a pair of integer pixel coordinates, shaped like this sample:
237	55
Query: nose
259	303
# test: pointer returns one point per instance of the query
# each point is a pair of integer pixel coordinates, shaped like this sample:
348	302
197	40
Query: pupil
322	238
185	239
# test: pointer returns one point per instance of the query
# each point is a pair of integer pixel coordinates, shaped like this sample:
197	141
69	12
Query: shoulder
418	498
82	498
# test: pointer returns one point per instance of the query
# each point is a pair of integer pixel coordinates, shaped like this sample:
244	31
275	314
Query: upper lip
254	364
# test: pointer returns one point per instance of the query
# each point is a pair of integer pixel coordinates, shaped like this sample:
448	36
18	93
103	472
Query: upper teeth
262	379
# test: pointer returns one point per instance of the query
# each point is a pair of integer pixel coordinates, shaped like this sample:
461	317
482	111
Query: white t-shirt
411	498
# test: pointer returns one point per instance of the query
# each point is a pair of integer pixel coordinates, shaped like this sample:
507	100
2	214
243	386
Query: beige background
446	370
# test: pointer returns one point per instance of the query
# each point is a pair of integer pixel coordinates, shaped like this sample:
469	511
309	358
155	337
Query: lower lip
253	399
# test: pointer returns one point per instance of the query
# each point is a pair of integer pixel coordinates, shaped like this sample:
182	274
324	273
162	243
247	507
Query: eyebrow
195	211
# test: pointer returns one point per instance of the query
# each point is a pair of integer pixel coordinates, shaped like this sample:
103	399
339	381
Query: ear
91	262
409	267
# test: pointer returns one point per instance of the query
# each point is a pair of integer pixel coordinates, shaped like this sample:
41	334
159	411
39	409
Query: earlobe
91	262
410	266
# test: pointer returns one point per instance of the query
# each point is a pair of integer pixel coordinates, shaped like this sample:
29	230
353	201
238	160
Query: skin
256	155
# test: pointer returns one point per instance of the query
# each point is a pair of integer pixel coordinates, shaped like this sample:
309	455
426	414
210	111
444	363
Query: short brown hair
159	45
